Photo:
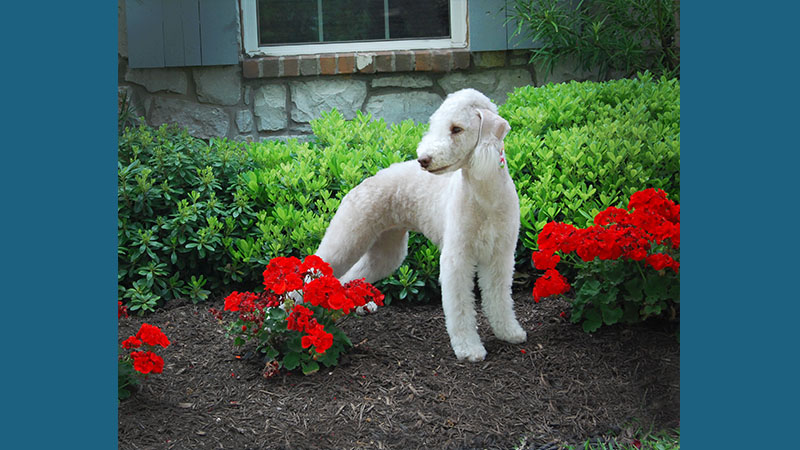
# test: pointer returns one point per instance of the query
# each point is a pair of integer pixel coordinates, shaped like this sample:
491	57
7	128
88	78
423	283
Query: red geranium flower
318	337
122	310
282	275
240	301
360	292
544	260
325	291
551	283
660	261
152	335
611	215
556	236
298	319
131	342
314	264
146	362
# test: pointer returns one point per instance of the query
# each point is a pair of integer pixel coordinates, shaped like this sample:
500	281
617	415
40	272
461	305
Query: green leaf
656	287
310	367
634	288
611	315
291	360
592	321
652	310
295	344
589	289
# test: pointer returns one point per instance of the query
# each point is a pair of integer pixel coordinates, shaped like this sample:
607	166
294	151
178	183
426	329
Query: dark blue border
739	172
59	224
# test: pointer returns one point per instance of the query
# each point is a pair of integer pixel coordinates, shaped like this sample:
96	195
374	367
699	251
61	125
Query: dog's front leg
494	279
458	302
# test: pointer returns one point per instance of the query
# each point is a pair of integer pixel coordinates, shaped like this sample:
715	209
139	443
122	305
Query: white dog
460	196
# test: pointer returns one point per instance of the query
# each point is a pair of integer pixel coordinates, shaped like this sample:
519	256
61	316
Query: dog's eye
455	130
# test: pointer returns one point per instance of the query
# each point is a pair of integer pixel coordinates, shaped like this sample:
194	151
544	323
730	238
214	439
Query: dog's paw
471	354
513	334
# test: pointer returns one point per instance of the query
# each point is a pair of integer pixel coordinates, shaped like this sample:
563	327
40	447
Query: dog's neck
488	191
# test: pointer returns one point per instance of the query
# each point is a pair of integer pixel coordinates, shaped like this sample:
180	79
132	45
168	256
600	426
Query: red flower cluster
543	261
152	335
551	283
617	233
314	277
131	342
285	274
146	361
122	310
299	319
317	336
329	293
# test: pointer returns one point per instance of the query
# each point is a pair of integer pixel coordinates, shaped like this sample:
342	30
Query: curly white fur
460	196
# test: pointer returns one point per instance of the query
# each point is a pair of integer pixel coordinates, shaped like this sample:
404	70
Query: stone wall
277	97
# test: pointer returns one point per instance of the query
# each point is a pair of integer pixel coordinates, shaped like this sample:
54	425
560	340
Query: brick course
439	61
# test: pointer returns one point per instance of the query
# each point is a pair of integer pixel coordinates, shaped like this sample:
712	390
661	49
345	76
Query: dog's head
465	133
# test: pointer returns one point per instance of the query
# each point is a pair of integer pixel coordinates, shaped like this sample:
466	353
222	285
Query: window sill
351	63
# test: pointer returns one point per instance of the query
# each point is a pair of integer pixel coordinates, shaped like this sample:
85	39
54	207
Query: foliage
179	209
619	35
614	258
577	148
136	365
293	321
197	217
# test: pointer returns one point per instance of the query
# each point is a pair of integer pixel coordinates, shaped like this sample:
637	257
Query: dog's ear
488	155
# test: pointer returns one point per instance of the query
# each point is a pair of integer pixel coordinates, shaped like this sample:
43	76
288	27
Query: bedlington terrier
458	193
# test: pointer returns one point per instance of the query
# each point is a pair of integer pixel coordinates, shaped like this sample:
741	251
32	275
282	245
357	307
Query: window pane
287	21
299	21
419	19
352	20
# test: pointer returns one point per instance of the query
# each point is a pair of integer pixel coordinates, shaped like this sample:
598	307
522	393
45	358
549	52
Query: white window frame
458	39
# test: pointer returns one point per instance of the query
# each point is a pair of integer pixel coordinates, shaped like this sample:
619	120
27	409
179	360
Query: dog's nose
425	161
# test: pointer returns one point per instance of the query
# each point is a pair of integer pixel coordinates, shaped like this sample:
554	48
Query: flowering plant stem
626	263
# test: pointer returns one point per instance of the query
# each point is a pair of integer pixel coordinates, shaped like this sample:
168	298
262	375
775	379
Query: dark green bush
179	208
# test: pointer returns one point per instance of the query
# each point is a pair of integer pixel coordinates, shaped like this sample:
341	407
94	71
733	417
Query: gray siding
488	30
176	33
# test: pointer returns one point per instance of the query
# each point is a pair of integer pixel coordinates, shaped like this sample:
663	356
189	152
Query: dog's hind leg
382	259
346	240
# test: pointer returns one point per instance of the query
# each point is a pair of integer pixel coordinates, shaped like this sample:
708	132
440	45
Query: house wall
277	97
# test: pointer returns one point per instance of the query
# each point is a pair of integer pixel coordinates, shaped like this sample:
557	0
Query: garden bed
401	386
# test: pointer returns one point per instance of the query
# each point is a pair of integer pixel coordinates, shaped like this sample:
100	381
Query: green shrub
179	208
577	148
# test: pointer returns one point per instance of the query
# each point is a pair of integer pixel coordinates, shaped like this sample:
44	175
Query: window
295	27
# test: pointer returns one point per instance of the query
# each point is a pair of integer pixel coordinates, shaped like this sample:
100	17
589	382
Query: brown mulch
401	387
